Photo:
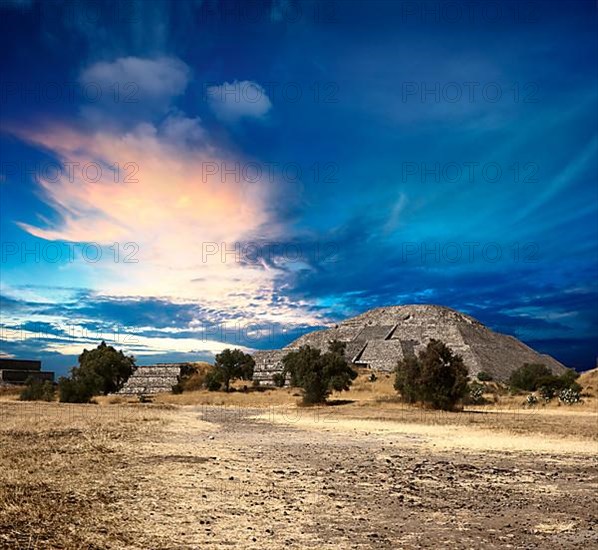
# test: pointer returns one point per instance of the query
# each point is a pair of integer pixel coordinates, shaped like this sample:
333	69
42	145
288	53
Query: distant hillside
589	382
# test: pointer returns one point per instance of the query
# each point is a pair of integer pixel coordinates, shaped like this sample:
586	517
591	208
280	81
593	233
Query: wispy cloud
233	101
133	88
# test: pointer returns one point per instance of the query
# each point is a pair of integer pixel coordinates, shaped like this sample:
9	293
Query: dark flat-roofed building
16	371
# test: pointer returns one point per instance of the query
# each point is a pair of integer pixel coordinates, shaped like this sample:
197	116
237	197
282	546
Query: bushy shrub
547	392
279	379
533	377
36	390
476	393
436	377
570	380
569	396
77	389
177	389
319	374
372	377
213	381
531	400
551	384
528	376
483	376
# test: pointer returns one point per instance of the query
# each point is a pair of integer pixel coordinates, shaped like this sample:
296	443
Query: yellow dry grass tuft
265	398
10	392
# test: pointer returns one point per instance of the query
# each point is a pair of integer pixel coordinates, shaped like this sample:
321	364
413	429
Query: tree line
436	377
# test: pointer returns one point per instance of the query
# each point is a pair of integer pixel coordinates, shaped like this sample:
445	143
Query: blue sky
180	177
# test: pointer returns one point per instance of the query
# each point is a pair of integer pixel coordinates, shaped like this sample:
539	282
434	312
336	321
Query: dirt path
220	478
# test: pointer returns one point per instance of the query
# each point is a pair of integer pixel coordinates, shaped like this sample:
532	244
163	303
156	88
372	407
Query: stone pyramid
379	338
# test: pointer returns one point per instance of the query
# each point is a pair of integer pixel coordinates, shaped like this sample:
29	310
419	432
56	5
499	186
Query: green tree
102	370
213	380
407	379
436	377
233	364
529	377
299	363
111	367
319	374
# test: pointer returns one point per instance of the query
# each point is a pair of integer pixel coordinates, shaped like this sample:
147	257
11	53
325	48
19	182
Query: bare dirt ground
346	476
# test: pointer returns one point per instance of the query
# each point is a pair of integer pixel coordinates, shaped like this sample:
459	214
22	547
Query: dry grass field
64	471
254	470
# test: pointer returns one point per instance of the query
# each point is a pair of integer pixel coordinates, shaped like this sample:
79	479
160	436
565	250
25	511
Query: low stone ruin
153	379
267	364
381	337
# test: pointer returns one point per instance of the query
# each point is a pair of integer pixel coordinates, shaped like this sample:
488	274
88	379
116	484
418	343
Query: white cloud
133	87
396	212
231	102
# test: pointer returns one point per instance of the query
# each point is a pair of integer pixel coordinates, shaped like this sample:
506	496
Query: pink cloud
170	189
